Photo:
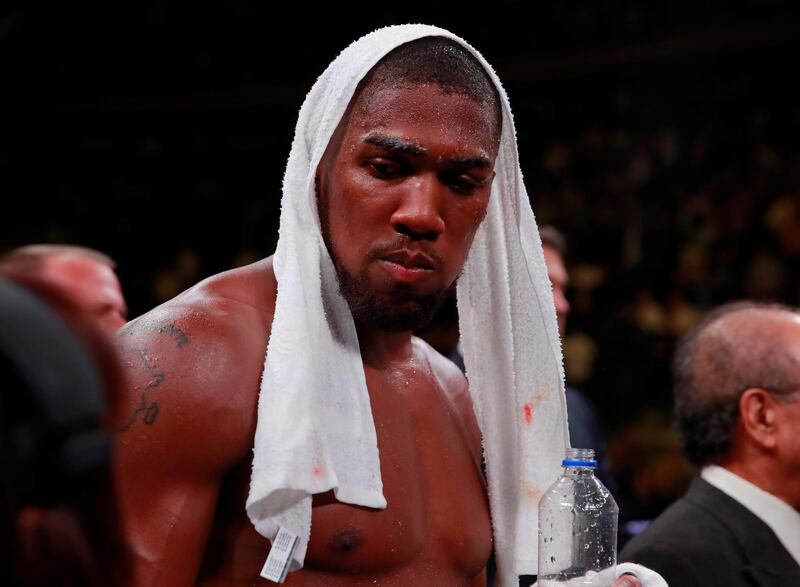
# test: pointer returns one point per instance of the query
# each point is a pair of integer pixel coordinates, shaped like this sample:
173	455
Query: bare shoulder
454	384
193	364
230	306
447	373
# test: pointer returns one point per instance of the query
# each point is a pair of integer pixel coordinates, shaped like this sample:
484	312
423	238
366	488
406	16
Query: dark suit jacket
708	539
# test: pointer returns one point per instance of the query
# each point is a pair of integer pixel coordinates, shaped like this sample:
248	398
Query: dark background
661	139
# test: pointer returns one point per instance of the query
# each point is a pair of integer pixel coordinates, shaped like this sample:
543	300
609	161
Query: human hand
627	581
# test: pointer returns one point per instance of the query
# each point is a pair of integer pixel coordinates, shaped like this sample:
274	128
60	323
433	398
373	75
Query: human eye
384	168
462	182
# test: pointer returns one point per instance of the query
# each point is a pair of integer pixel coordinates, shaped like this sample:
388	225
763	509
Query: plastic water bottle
577	526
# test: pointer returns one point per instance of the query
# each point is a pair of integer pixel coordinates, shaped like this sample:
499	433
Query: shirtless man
401	190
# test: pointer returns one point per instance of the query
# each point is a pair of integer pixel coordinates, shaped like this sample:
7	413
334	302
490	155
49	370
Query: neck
379	347
767	475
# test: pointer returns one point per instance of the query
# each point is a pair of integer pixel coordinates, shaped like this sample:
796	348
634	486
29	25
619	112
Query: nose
418	214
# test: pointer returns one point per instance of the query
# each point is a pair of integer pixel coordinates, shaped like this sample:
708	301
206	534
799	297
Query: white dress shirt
782	518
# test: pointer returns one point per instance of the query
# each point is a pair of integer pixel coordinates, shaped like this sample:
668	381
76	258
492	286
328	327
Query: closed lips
411	260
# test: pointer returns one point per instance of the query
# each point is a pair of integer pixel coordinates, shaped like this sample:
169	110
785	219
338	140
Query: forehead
425	113
83	276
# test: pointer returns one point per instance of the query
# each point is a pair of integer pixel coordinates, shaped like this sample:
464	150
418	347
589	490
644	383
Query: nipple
346	541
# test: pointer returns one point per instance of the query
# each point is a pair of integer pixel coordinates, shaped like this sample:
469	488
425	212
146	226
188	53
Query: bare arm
187	417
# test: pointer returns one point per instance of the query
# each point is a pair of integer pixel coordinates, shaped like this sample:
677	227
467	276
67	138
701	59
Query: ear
758	415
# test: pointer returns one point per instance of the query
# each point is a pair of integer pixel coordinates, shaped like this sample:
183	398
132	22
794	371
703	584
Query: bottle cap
579	457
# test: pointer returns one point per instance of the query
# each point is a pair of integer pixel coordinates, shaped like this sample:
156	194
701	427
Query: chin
407	317
397	311
387	305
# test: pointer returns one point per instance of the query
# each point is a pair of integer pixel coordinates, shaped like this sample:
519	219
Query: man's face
90	285
559	277
402	189
787	416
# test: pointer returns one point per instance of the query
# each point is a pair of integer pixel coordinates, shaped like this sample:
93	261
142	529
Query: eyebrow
395	145
479	161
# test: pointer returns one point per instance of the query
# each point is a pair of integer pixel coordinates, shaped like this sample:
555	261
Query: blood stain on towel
533	494
528	490
317	470
529	407
527	412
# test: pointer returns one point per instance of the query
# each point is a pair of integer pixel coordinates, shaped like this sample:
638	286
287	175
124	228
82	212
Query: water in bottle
577	526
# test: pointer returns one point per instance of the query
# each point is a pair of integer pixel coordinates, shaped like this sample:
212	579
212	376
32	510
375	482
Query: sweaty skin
408	173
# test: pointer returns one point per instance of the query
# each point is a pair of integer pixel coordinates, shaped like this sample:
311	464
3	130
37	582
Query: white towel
315	429
647	577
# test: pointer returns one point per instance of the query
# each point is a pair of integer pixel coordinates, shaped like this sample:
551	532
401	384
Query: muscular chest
436	501
437	516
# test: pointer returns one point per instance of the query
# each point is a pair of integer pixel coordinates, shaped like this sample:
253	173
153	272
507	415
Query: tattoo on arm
148	409
179	334
181	338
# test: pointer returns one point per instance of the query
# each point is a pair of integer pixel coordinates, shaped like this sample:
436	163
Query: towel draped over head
315	429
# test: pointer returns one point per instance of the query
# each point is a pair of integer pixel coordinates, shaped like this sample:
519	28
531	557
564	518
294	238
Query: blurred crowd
663	226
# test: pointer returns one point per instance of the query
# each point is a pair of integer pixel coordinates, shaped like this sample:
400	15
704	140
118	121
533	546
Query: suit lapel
768	562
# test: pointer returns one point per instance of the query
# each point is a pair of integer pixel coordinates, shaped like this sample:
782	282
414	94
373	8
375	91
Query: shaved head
434	61
735	348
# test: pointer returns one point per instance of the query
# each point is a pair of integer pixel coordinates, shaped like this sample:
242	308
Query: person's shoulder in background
688	545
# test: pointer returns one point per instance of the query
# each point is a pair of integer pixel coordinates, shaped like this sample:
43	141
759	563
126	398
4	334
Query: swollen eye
462	182
387	168
382	168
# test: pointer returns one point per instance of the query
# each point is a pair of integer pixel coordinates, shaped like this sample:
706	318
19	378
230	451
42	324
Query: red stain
528	491
316	471
534	495
527	412
528	408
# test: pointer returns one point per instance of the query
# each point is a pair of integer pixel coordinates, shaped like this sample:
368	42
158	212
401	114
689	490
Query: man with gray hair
737	392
